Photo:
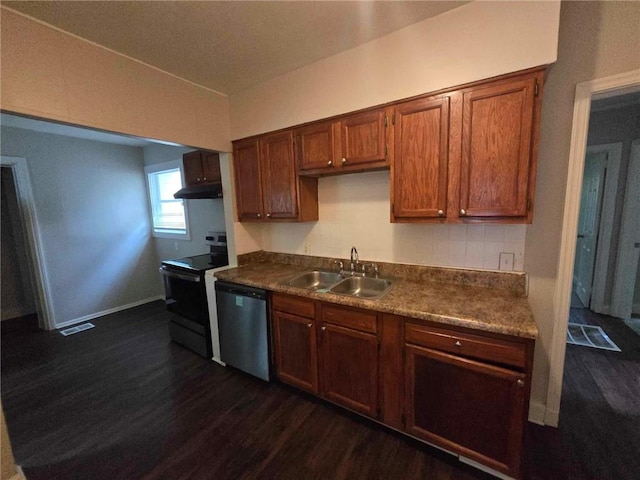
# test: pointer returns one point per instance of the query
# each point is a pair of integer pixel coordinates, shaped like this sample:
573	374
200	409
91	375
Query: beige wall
597	39
53	75
476	41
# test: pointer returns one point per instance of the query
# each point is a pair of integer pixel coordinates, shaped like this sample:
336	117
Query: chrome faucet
354	259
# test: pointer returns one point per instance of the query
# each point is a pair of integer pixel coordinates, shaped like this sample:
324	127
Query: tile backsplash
354	210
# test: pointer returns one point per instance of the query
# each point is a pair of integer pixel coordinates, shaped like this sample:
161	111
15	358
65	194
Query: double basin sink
361	287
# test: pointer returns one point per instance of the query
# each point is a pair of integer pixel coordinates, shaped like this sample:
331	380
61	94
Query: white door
588	223
629	242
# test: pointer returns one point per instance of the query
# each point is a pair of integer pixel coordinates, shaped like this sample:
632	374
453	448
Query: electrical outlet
307	247
176	245
506	261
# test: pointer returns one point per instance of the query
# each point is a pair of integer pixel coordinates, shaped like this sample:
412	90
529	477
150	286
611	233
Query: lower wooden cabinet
469	407
459	389
295	350
349	365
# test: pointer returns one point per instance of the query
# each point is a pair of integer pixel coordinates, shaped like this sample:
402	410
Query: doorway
26	231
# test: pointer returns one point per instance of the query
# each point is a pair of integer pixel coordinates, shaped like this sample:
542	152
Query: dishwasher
243	328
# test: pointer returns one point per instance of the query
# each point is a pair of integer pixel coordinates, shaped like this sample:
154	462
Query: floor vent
78	328
589	336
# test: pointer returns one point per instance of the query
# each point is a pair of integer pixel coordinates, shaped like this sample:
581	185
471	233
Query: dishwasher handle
242	290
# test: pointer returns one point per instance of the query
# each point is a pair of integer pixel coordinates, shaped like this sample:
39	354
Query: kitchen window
168	214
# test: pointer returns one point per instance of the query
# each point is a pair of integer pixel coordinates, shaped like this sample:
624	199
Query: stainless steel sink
315	280
363	287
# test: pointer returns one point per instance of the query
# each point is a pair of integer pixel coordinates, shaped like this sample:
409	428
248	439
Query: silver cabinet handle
441	213
330	162
323	328
268	215
204	178
309	325
344	160
463	212
259	216
520	383
458	344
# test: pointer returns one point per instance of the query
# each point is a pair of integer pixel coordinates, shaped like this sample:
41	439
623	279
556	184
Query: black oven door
185	294
186	298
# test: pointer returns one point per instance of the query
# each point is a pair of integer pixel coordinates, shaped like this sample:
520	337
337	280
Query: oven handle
180	276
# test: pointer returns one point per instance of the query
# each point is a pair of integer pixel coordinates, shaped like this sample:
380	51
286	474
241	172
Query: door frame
33	240
599	88
605	231
627	258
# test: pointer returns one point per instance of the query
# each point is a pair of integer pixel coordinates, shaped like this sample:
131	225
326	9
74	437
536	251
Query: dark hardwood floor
121	401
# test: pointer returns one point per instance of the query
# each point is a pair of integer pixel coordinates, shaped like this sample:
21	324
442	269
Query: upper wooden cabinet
352	143
419	175
464	154
497	133
267	185
468	155
201	167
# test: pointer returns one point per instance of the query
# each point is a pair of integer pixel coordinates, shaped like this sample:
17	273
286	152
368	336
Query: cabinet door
349	363
363	138
192	165
279	176
497	149
421	135
314	147
468	407
248	180
295	351
210	167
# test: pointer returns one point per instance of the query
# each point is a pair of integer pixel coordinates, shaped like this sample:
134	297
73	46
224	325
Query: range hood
207	190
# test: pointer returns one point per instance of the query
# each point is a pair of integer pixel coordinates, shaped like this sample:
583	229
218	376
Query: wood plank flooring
121	401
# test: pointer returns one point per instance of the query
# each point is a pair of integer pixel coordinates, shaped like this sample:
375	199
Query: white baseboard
537	412
91	316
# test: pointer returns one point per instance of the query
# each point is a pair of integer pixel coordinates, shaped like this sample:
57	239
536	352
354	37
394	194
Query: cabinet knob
204	179
463	212
441	213
198	179
309	325
323	328
268	215
330	162
344	160
458	344
520	383
258	215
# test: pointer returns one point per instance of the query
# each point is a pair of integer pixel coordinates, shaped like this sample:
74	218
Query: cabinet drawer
467	345
363	320
295	305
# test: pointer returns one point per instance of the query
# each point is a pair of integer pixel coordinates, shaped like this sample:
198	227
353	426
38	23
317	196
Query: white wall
204	214
54	75
354	210
92	211
597	39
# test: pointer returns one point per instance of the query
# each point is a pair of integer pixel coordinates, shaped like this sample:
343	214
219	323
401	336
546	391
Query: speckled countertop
477	307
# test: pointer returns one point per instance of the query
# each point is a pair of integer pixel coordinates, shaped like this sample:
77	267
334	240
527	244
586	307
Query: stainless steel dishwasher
243	328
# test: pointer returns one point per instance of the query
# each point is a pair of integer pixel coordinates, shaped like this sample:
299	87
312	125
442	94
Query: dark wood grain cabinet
421	156
464	391
349	358
496	166
201	167
468	155
463	394
352	143
295	345
268	187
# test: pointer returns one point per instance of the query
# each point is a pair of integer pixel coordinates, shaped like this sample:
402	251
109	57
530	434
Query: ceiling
229	46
